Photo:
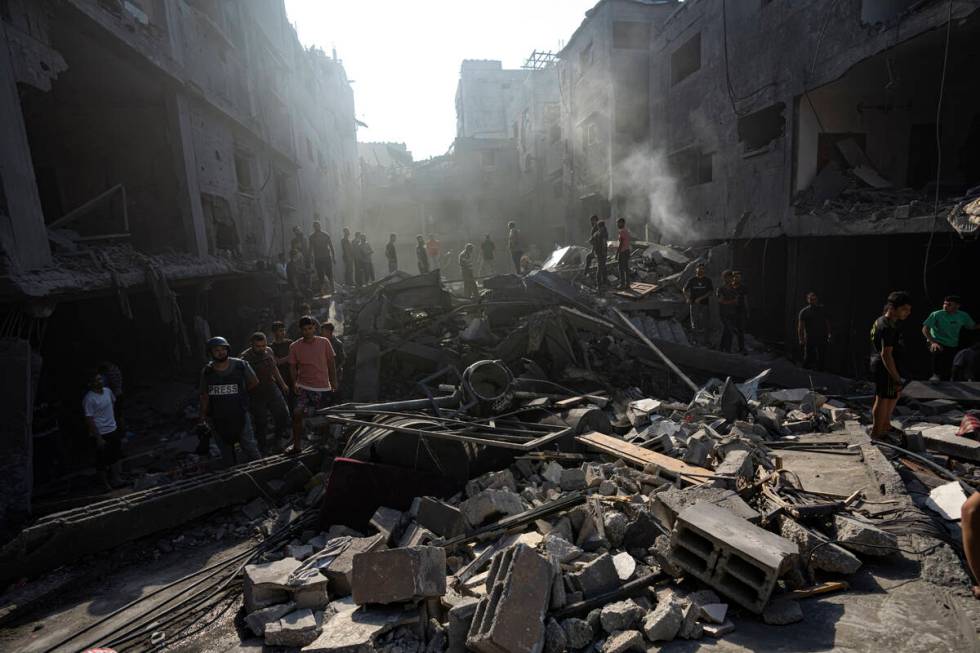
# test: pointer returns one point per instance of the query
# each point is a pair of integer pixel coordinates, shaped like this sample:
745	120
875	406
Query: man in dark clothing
300	244
269	395
966	363
339	355
601	249
813	333
421	254
593	225
727	310
99	406
698	291
623	254
515	243
225	383
741	309
887	353
391	254
280	349
466	267
347	251
296	275
323	255
488	250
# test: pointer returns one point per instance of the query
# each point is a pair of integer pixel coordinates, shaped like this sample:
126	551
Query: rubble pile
679	521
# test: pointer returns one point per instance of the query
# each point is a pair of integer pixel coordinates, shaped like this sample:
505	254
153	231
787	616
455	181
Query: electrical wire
939	151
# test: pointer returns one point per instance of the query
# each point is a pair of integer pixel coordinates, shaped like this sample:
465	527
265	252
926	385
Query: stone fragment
552	472
439	517
350	629
561	548
714	612
690	627
399	575
625	565
309	589
782	612
607	488
621	615
737	463
597	577
295	629
864	538
718	630
642	532
490	504
265	583
258	620
663	624
594	475
572	479
625	640
460	618
825	556
339	571
555	640
615	524
386	521
668	503
578	632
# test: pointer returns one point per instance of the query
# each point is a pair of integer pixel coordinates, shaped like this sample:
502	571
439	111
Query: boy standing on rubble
698	291
312	366
421	254
623	254
99	405
887	351
323	256
224	387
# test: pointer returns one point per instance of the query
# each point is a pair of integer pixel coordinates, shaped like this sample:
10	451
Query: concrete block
439	517
624	640
664	622
386	521
737	463
864	538
399	575
690	627
309	590
415	535
502	480
561	548
615	524
258	620
699	448
266	584
578	632
733	556
339	571
572	479
671	501
511	615
621	615
555	640
294	630
490	504
826	557
782	612
597	577
625	565
460	618
552	472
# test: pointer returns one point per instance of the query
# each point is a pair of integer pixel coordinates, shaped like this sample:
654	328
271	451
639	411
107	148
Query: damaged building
157	156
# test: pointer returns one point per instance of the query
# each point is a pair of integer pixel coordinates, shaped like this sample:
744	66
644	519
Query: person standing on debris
99	405
313	368
323	255
741	309
593	227
466	267
623	254
269	395
280	349
698	291
347	251
391	254
224	387
487	251
358	252
434	249
727	307
296	275
339	355
421	254
887	352
368	259
601	249
813	333
966	365
515	243
300	244
942	331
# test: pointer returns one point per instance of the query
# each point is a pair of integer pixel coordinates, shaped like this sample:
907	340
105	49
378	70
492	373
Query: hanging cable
939	151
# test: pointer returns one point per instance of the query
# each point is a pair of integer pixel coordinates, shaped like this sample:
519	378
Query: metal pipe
656	350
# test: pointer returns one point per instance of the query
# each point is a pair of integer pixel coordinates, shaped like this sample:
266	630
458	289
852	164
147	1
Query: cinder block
266	584
735	557
339	571
439	517
510	617
399	575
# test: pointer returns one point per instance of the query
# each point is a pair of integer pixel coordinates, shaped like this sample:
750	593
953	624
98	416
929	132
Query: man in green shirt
942	331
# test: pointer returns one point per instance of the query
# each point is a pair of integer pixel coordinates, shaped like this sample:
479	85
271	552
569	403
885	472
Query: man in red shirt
623	254
314	373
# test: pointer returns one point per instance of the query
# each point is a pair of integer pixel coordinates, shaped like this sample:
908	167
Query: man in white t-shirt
99	405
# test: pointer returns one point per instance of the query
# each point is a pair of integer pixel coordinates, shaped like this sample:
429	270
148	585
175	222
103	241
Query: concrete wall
487	99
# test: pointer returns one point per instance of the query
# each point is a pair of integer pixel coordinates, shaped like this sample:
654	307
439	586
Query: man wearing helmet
224	387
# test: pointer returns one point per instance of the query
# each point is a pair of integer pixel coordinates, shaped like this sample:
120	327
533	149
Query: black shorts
885	386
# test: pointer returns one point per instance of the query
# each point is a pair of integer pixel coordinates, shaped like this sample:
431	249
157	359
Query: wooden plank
637	455
638	290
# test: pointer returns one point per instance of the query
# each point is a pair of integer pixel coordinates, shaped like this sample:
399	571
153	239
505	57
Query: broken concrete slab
942	438
597	577
353	630
625	640
399	575
339	571
490	504
296	629
718	630
668	503
947	500
555	640
511	615
621	615
555	544
386	521
863	537
825	555
266	583
714	612
439	517
625	565
578	632
664	622
460	619
259	619
782	612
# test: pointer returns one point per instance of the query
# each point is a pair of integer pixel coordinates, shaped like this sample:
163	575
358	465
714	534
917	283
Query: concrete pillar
185	167
23	236
16	436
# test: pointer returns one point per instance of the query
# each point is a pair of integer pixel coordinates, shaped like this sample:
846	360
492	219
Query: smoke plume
647	182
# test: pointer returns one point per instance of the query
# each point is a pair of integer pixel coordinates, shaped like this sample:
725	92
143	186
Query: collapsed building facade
805	135
157	154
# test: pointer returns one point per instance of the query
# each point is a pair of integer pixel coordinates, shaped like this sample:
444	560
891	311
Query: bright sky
403	57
